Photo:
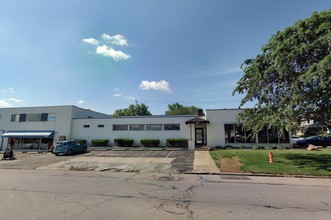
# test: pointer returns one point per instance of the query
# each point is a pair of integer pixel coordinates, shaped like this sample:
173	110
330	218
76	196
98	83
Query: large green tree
178	109
139	109
290	81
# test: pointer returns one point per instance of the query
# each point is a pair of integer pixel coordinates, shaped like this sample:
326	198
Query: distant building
37	128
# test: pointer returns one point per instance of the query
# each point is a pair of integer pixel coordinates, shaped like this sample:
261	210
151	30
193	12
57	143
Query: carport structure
28	140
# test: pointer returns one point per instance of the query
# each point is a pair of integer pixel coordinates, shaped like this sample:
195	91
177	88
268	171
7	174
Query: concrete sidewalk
203	163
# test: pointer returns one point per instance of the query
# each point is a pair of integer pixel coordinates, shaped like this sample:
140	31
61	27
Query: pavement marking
168	156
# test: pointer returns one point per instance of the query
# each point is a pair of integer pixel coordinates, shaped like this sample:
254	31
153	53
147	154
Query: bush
150	142
180	142
282	147
228	147
100	142
258	147
80	141
272	147
123	142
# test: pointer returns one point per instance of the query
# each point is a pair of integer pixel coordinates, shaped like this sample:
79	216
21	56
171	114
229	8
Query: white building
39	127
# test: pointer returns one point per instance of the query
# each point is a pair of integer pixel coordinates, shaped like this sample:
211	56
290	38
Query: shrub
272	147
282	147
228	147
258	147
123	142
100	142
150	142
177	142
80	141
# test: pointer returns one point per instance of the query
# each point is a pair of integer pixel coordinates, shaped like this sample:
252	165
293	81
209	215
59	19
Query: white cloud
160	86
9	90
220	71
9	102
91	41
4	104
117	39
117	93
110	52
14	100
80	102
130	97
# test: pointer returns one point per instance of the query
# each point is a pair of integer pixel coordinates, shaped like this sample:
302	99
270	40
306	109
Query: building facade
37	128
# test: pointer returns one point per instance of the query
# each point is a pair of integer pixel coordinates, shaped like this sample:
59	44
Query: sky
104	55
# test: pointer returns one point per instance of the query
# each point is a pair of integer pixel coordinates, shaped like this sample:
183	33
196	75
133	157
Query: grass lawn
292	162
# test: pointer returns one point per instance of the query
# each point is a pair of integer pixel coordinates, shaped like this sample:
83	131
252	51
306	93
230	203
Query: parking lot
164	161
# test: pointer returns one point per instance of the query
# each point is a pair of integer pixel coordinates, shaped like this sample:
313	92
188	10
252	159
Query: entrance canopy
29	134
197	121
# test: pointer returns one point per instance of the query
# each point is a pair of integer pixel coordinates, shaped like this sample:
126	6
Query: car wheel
84	149
69	152
56	154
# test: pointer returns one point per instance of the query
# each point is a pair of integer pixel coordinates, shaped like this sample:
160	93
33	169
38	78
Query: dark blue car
322	141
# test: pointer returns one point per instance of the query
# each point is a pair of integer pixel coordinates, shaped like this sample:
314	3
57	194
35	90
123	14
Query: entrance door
199	136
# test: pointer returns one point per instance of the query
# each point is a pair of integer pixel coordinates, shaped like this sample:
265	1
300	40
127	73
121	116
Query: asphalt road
44	194
126	161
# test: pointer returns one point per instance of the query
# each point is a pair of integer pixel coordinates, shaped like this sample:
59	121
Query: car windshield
60	144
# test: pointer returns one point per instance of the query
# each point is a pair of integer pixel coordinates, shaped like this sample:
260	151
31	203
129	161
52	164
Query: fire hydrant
271	157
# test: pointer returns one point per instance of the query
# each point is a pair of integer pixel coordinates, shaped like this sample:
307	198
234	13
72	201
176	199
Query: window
171	127
272	136
101	126
120	127
15	117
32	117
156	127
236	133
22	117
86	126
51	117
136	127
43	117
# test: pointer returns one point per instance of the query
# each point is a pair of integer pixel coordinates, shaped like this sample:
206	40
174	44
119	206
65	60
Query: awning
28	134
197	121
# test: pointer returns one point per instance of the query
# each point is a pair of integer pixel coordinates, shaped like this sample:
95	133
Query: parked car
68	148
296	138
323	141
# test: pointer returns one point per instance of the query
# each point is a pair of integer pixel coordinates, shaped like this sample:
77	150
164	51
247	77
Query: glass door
199	136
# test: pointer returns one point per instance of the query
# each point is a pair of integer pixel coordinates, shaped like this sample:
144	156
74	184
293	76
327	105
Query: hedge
100	142
123	142
177	142
150	142
80	141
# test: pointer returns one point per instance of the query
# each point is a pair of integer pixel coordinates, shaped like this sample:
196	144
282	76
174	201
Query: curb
257	175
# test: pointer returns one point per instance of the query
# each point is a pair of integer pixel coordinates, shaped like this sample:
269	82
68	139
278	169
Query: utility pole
136	108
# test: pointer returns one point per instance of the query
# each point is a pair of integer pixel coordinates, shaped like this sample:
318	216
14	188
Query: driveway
126	161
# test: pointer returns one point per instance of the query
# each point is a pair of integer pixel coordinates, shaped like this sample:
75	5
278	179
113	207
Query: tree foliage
178	109
140	110
291	80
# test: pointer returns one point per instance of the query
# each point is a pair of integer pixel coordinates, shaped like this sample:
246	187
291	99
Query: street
46	194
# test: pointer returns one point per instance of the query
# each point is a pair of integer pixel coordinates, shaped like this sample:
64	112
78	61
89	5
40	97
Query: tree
138	109
291	80
178	109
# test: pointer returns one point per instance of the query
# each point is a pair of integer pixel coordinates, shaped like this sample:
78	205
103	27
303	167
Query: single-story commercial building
37	128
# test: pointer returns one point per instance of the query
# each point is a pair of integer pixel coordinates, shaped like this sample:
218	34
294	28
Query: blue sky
105	54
